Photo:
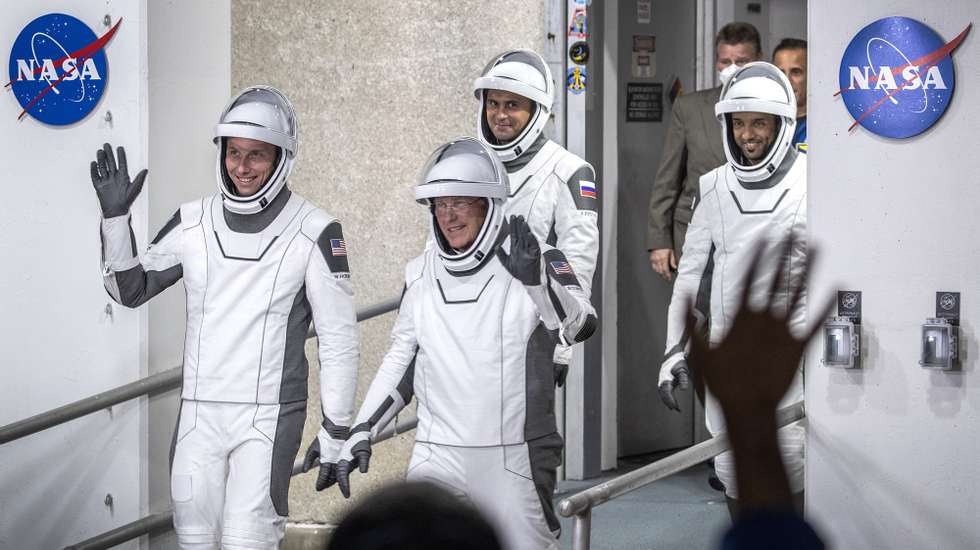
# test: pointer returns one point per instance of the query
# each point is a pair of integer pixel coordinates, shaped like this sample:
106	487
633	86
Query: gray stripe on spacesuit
217	238
173	440
173	222
295	368
753	212
586	174
544	453
289	432
539	383
136	286
335	431
336	263
473	301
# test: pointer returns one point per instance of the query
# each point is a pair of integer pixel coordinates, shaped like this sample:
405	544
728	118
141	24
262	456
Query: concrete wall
62	339
377	86
892	448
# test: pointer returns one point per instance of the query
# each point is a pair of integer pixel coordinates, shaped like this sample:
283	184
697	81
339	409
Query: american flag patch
561	267
587	189
338	247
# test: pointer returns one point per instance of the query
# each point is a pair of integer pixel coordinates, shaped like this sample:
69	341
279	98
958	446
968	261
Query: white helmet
468	168
757	87
526	74
262	113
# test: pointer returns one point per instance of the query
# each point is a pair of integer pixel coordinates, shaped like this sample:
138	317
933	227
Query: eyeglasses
443	206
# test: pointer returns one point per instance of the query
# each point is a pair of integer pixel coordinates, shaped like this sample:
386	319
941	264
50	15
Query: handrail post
582	530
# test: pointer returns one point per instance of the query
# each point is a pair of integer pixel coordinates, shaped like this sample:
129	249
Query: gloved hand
524	260
561	373
112	185
673	373
356	454
328	470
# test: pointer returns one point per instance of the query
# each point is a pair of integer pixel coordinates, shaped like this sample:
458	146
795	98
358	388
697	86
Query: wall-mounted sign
643	11
644	102
58	69
576	79
644	56
896	77
579	52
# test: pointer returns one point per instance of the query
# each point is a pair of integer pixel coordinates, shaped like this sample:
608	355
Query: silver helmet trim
261	113
757	87
525	73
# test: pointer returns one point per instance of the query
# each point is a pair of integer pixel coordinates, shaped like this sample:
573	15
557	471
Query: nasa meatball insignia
58	69
897	77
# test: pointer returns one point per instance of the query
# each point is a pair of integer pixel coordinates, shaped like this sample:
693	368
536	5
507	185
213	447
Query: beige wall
377	85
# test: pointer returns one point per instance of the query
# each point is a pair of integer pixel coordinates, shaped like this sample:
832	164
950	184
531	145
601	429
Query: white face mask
727	73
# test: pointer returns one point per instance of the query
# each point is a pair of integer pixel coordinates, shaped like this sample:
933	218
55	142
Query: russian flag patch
338	247
587	189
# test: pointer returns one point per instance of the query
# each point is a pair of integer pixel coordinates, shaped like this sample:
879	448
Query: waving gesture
112	185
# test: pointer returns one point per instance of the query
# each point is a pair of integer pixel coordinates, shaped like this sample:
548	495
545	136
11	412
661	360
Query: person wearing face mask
691	149
757	197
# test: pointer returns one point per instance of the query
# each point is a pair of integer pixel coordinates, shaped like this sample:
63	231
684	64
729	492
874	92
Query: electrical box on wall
940	342
842	334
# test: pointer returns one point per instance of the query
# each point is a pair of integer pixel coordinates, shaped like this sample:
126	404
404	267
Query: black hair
739	33
789	44
414	516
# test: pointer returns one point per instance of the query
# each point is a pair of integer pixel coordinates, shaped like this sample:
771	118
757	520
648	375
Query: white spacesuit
463	340
553	189
256	270
741	205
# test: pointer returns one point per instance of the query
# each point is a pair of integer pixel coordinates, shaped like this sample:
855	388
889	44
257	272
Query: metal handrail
158	523
580	505
155	383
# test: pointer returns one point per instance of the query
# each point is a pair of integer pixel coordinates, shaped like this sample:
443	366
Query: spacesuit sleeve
694	260
577	224
392	388
561	302
128	279
331	296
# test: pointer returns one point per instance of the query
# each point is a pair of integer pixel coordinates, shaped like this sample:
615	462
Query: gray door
645	425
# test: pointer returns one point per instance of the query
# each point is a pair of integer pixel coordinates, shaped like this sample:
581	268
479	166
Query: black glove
561	372
328	470
116	193
524	260
667	388
356	454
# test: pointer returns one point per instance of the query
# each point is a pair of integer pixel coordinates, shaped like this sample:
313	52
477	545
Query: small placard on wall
644	102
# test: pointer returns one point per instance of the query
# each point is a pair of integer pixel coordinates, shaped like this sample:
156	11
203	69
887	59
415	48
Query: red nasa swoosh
81	55
926	62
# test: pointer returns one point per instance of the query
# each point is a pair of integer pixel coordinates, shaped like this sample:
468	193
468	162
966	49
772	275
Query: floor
679	512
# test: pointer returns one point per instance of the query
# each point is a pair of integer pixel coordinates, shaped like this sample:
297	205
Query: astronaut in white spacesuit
463	341
553	189
258	264
758	196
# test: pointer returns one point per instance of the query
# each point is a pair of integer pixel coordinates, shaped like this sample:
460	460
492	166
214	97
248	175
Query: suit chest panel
535	188
245	274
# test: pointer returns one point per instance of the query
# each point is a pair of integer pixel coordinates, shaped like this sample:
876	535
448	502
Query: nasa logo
58	69
896	77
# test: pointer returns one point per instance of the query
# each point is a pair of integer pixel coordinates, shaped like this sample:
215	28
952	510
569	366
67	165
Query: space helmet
262	113
469	168
758	87
521	72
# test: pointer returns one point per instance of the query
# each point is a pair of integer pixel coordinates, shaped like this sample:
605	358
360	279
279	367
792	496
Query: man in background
790	57
692	148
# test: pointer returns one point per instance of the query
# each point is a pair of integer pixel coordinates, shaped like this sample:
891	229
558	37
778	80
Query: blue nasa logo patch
58	69
896	77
